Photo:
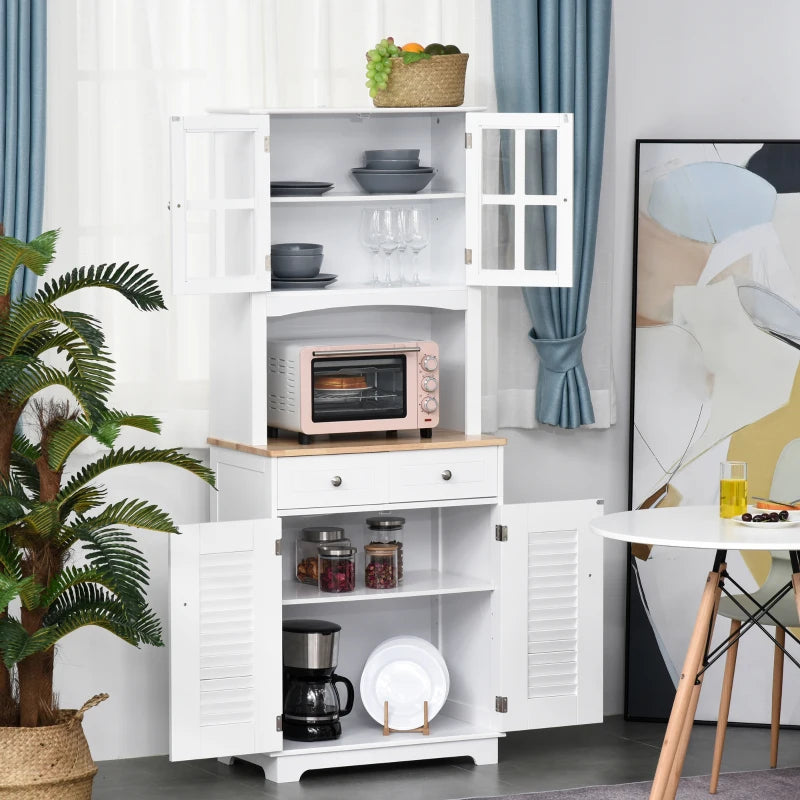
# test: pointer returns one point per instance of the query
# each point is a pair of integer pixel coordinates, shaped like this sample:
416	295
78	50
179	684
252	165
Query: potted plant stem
55	378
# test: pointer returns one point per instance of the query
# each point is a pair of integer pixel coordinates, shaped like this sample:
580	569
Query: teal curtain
23	33
552	56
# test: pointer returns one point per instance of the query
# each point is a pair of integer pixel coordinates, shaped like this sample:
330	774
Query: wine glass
369	233
389	238
416	228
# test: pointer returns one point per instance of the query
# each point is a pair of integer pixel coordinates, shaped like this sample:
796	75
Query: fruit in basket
451	50
412	47
379	64
435	49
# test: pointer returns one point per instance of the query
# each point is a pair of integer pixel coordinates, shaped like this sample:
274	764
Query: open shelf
416	583
366	111
363	197
281	303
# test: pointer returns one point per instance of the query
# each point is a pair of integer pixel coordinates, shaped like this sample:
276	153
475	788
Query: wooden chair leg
674	741
724	707
777	692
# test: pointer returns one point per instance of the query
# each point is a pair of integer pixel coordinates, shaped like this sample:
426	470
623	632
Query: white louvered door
549	616
224	639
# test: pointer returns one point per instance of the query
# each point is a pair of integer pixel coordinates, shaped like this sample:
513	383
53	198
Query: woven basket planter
435	81
48	763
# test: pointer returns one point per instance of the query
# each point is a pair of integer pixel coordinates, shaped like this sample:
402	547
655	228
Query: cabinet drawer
333	480
443	474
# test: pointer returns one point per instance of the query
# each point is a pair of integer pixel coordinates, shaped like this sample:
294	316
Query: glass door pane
519	199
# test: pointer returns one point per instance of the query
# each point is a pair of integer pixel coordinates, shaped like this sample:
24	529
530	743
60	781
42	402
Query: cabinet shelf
361	731
282	303
362	197
416	583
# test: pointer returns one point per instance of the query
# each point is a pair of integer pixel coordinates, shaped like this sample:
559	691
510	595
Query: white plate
794	519
793	515
406	671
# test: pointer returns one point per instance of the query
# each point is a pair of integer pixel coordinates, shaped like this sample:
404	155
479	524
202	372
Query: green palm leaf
80	502
135	284
69	577
32	317
35	255
113	553
23	464
133	455
10	589
88	604
10	557
16	643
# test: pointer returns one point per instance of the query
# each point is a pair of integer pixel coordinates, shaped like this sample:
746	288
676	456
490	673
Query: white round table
697	527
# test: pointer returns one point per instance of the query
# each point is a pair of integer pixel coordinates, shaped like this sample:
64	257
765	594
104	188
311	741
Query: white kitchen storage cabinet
510	594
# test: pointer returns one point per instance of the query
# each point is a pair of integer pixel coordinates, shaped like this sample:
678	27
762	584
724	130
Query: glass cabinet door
519	199
219	203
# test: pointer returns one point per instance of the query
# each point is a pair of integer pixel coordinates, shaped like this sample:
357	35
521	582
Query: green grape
373	92
379	65
376	58
372	53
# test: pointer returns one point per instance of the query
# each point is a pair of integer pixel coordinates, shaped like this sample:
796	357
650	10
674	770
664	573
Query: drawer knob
336	480
446	475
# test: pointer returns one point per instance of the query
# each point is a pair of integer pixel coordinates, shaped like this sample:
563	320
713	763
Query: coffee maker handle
350	693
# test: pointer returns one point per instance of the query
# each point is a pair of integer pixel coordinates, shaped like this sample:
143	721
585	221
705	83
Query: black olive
774	517
747	517
784	515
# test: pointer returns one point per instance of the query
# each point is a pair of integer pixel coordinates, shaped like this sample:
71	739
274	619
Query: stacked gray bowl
392	172
296	260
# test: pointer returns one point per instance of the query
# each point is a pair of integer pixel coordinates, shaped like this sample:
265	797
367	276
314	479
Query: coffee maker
311	703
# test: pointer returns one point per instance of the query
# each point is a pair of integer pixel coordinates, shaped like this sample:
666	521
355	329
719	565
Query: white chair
785	612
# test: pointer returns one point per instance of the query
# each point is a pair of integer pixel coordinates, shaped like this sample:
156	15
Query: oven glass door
360	387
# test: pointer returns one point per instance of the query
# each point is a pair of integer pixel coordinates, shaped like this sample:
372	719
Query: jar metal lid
380	549
323	533
338	550
386	523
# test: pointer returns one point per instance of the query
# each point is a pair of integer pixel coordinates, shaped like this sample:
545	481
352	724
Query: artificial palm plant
55	377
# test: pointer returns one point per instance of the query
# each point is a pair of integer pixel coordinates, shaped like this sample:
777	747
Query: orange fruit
412	47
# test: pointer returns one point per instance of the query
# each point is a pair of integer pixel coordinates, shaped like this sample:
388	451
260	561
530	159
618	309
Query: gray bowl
296	248
381	155
286	265
394	163
375	182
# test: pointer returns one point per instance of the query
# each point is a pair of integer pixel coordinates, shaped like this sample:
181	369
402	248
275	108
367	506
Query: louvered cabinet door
549	616
224	639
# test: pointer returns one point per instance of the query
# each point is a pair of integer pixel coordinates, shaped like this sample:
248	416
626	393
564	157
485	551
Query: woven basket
434	81
48	763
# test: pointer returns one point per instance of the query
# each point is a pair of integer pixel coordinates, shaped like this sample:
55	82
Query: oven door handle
365	352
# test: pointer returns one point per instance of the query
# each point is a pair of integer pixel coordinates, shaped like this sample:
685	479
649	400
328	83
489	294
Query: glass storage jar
387	529
306	550
337	567
380	566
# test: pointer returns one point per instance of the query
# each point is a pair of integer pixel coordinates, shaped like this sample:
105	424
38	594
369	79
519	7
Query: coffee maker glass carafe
311	703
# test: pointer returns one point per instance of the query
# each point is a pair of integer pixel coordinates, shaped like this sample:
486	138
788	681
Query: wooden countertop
361	443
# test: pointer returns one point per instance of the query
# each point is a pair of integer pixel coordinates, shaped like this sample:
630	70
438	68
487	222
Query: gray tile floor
614	752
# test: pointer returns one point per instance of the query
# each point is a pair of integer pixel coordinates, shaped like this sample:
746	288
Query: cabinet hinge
501	704
278	547
266	144
501	533
267	262
467	255
279	722
468	141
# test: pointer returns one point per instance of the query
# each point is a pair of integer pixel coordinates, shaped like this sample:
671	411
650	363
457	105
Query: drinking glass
732	489
416	226
389	239
369	233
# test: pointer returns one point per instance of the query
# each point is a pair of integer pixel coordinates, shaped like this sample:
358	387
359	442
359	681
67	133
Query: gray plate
320	282
298	188
411	171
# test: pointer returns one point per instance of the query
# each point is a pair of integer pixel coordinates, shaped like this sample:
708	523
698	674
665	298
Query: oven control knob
429	405
429	363
429	383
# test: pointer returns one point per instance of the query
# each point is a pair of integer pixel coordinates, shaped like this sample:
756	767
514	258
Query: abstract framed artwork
715	355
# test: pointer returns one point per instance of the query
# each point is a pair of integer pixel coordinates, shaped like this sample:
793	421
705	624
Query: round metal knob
446	475
336	480
429	363
429	405
429	383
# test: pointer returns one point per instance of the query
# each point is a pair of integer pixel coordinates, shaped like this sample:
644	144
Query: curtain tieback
559	355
